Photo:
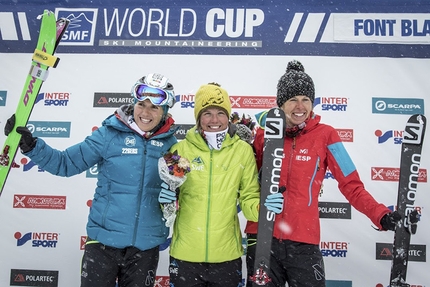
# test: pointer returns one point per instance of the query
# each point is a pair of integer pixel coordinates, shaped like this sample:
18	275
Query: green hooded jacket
207	227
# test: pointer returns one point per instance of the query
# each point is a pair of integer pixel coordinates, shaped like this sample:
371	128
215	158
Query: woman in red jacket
310	147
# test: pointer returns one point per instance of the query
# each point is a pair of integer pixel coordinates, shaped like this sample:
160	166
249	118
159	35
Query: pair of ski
51	32
271	169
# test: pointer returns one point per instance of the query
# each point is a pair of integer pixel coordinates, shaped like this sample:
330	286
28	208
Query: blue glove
166	195
275	202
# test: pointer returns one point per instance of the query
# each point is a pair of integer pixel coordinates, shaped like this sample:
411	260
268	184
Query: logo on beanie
214	100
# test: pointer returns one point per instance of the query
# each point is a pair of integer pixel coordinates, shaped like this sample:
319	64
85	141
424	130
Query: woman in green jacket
206	245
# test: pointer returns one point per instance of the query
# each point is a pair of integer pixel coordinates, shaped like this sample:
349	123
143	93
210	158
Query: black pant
103	265
190	274
298	264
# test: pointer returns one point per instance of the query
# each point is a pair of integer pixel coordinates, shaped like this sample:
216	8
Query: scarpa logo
92	171
82	27
3	95
49	129
407	106
338	283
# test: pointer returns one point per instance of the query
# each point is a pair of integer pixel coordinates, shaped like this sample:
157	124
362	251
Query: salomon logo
273	128
412	186
275	176
413	133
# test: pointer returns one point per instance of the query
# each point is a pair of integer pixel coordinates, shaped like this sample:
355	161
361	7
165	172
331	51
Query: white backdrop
356	80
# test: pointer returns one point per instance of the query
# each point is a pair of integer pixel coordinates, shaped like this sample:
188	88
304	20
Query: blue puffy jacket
125	209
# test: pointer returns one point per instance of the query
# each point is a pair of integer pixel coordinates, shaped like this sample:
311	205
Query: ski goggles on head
157	96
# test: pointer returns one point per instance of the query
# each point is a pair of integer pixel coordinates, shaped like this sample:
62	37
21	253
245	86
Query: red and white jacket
307	157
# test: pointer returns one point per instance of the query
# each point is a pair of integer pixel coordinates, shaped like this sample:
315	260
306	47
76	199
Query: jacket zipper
208	204
139	199
317	168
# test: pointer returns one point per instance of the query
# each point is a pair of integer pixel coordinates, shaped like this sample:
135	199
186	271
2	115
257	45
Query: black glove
389	220
27	142
10	123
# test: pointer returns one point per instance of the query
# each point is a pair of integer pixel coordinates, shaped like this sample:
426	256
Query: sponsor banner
417	252
253	102
331	104
112	100
3	95
38	239
40	278
181	132
338	283
407	106
346	135
92	172
393	174
338	210
334	248
82	242
162	281
53	99
49	129
273	28
39	201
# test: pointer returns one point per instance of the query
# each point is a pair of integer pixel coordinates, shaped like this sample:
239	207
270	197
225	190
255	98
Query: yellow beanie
211	95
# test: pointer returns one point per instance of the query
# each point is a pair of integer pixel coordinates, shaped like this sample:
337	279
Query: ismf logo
397	136
42	278
38	239
82	27
337	104
334	248
393	174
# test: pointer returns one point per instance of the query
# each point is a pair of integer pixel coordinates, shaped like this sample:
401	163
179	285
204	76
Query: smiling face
213	120
297	109
147	115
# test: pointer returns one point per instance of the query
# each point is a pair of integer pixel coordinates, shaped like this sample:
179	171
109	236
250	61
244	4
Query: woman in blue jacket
125	225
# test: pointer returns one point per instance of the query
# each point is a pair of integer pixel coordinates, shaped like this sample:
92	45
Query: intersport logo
39	201
393	174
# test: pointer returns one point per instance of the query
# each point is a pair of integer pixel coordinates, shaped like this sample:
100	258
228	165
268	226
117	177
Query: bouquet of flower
172	169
